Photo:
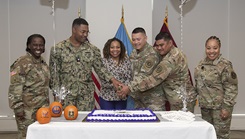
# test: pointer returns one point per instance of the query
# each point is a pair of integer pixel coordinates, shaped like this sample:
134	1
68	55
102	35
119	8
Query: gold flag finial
166	11
79	12
122	19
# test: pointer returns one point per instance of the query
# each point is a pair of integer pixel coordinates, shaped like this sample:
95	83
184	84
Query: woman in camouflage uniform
216	85
29	81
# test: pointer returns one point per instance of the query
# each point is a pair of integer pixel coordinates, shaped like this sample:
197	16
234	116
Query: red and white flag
97	85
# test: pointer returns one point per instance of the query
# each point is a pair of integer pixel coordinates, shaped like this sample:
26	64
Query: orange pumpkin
43	115
55	109
71	112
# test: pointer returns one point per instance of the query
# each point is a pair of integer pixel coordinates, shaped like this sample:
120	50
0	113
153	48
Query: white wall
202	18
236	51
104	18
236	47
4	54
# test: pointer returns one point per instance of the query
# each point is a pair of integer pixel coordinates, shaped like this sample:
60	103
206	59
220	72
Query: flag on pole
122	34
166	29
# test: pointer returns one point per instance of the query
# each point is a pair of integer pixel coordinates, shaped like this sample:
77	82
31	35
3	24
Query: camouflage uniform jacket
143	64
171	73
216	83
74	67
29	83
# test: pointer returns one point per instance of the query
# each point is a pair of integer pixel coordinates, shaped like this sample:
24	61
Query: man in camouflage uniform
217	87
29	84
71	63
171	73
144	60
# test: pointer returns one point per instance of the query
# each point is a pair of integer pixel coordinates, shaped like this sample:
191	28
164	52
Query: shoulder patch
159	69
146	66
149	63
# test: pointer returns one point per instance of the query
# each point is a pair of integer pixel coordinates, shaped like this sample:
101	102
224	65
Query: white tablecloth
59	128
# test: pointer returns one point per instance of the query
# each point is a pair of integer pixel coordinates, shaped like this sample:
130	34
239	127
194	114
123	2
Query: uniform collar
34	60
144	50
214	62
83	46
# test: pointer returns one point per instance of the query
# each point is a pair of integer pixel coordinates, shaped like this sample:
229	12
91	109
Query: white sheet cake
144	115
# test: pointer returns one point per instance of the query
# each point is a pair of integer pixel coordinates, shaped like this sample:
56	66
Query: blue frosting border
126	115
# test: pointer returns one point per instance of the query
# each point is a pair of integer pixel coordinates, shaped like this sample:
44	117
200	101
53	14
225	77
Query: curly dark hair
106	49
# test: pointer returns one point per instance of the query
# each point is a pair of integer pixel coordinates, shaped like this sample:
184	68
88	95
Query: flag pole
165	20
122	19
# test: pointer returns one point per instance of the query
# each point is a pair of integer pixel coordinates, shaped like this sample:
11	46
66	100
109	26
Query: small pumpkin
55	109
71	112
43	115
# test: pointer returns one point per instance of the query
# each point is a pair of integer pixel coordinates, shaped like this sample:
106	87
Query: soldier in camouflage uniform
71	63
171	73
144	60
217	87
29	84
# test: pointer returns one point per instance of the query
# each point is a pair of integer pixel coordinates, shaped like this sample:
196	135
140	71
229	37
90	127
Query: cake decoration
144	115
